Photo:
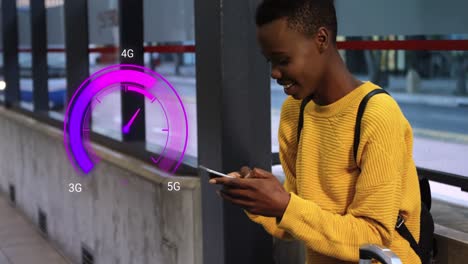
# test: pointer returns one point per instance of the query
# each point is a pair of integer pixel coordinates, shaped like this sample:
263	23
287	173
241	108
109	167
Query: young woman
329	200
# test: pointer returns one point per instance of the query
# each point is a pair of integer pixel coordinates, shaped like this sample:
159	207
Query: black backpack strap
400	225
425	189
357	128
406	234
301	117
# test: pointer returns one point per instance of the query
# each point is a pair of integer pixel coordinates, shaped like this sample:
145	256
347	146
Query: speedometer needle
126	128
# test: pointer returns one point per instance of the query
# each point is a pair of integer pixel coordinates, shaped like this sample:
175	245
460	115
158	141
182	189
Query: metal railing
433	175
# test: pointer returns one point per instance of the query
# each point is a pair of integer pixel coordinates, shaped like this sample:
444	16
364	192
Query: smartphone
215	173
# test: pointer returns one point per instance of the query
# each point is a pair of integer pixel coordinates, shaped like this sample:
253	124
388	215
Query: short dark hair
306	16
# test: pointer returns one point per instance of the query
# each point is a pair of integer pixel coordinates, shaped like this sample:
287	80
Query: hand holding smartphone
213	173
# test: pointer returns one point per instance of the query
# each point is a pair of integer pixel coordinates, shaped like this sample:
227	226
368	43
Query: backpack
426	246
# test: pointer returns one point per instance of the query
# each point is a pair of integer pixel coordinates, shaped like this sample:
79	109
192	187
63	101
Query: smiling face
298	61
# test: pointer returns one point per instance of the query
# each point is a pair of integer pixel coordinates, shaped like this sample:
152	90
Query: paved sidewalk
20	242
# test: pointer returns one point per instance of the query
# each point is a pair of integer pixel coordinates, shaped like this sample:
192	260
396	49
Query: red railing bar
428	45
447	45
104	50
171	49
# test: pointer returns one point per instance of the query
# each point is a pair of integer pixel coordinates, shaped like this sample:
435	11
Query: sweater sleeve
288	126
270	224
372	214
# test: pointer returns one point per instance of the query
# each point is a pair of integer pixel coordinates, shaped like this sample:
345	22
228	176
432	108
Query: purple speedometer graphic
158	93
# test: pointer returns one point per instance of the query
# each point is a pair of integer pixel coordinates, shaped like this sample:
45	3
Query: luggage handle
368	252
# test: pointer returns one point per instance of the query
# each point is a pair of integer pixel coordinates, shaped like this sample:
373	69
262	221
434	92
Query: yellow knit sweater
334	207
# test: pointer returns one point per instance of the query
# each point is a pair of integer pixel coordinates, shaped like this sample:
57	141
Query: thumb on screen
235	174
259	173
